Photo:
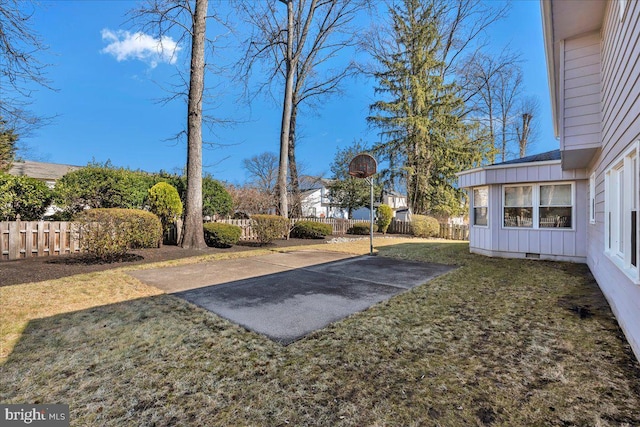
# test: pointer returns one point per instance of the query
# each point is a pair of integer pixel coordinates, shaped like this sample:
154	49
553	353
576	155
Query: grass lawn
495	342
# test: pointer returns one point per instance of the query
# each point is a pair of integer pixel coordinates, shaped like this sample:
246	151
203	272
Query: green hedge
361	228
269	227
385	215
311	230
425	226
220	235
106	234
24	196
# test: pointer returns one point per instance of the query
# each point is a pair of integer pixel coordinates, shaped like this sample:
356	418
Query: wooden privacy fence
454	232
24	239
399	227
340	226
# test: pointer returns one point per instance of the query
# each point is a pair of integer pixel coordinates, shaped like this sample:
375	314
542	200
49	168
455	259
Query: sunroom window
481	206
548	205
518	206
555	206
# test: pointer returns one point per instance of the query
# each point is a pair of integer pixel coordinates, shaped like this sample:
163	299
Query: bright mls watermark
34	415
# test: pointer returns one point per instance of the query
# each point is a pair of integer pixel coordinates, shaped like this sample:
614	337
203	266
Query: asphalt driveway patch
287	305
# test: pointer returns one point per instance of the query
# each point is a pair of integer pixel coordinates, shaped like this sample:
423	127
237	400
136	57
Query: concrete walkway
285	296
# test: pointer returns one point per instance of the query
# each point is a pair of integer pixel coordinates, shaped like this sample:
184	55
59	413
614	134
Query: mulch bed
38	269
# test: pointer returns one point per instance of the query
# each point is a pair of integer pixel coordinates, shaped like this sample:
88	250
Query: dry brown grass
495	342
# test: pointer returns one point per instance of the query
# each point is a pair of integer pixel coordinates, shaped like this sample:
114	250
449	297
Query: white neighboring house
580	203
397	202
316	202
48	173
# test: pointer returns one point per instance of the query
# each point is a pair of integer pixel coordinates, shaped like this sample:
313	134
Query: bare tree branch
298	53
22	71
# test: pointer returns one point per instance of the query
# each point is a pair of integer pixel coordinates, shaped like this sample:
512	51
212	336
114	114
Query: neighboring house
397	202
49	173
316	202
579	203
394	199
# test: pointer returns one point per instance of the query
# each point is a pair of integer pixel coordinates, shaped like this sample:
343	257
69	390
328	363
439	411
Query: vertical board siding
562	243
581	121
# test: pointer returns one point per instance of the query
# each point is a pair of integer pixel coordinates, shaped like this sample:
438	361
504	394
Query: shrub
311	230
361	228
164	201
220	235
425	226
385	214
102	186
269	227
24	196
216	200
107	234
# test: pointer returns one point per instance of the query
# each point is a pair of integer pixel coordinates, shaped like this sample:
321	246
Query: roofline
547	32
510	165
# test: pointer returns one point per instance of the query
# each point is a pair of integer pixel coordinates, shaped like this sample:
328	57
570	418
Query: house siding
581	116
620	129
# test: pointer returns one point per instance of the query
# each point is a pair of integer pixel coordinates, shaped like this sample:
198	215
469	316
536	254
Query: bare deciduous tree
462	24
526	128
248	200
190	20
263	171
21	69
508	88
492	86
298	47
479	77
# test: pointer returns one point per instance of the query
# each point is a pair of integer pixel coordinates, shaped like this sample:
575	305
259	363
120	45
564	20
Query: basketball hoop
363	166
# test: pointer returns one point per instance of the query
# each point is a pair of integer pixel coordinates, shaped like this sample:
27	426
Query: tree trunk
524	137
286	116
193	236
296	208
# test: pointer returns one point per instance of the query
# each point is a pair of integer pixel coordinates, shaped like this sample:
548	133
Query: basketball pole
371	218
365	166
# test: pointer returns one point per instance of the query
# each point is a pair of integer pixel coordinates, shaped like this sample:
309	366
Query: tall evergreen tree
423	135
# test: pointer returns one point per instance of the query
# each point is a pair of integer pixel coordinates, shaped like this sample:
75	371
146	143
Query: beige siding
620	128
581	117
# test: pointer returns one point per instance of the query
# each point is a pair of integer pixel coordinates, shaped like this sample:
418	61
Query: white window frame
622	9
535	201
474	206
592	198
621	199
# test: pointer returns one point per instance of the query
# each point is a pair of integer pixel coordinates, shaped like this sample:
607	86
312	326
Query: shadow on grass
487	344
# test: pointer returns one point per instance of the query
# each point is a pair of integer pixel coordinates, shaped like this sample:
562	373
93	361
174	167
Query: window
481	206
555	206
539	206
518	206
592	198
621	212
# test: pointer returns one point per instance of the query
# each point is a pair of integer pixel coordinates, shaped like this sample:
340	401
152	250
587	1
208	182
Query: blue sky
107	109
